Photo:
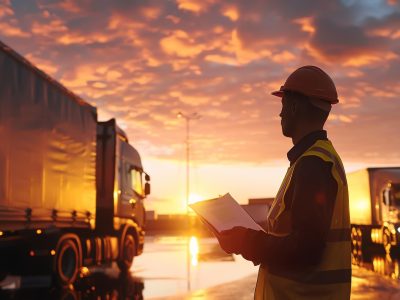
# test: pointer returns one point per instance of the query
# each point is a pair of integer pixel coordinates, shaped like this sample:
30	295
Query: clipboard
223	213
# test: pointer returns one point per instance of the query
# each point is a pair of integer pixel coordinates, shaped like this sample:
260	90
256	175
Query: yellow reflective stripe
318	277
260	284
284	184
279	288
340	216
336	256
282	199
278	206
325	151
336	162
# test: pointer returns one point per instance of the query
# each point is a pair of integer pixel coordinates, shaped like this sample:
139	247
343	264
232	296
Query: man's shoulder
312	164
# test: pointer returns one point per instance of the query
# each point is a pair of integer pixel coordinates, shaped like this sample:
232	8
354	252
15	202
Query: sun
193	198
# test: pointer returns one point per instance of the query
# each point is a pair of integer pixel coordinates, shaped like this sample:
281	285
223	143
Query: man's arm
311	195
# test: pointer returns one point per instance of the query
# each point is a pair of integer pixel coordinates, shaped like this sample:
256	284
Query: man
305	251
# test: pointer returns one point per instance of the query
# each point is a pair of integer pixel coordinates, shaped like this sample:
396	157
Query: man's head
307	97
297	111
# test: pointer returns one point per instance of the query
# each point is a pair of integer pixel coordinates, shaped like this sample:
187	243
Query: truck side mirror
147	177
147	188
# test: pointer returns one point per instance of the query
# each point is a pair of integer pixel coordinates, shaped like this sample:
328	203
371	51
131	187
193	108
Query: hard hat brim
280	93
277	94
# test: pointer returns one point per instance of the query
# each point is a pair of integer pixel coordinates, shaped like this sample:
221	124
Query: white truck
374	195
71	188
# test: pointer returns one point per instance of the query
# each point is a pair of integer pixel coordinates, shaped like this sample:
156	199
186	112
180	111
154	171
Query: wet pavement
161	273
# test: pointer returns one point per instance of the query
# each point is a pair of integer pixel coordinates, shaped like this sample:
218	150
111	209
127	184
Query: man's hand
232	240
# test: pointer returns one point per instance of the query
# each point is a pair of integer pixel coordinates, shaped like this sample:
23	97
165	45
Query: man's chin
287	134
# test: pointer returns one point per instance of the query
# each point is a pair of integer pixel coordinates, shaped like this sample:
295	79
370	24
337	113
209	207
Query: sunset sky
144	61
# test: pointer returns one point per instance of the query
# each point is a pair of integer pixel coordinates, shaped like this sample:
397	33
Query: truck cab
391	203
374	195
133	183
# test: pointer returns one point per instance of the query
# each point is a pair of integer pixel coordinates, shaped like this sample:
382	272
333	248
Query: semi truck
374	195
72	188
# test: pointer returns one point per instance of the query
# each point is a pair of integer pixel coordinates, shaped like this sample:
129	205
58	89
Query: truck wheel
356	244
386	241
127	253
66	263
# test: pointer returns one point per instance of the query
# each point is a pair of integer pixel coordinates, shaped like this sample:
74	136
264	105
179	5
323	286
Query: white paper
224	213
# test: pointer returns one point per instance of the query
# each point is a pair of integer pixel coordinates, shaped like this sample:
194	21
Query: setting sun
193	198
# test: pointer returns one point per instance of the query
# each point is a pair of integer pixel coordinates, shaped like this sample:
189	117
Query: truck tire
356	244
66	263
386	240
127	252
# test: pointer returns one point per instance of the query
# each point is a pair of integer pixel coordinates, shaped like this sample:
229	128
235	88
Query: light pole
188	118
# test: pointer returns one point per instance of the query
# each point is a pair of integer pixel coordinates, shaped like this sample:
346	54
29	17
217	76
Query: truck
72	188
374	198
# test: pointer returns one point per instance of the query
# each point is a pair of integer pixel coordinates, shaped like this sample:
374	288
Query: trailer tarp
47	147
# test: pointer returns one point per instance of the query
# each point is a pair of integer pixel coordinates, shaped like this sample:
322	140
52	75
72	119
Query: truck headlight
398	229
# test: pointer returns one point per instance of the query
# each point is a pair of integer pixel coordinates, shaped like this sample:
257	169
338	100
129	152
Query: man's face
287	116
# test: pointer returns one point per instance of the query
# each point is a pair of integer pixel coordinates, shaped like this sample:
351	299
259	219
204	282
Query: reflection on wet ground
98	285
163	266
161	271
376	259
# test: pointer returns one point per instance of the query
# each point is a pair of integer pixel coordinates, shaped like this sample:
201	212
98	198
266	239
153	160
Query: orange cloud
49	29
245	55
5	9
192	100
196	6
71	6
306	24
368	59
231	12
179	43
12	30
46	65
221	59
283	57
392	33
342	118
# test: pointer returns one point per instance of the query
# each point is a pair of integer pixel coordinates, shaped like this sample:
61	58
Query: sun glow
194	250
193	198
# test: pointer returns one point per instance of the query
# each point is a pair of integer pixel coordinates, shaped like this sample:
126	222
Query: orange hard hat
310	81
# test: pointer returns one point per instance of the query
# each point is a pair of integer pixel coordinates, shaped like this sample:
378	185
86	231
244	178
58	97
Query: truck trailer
374	195
71	187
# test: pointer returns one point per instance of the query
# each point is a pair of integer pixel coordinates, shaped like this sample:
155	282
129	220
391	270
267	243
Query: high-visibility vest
331	278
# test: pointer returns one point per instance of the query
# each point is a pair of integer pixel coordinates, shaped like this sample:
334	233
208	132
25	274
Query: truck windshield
396	194
135	181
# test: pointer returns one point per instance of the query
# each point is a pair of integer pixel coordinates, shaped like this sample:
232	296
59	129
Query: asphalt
365	285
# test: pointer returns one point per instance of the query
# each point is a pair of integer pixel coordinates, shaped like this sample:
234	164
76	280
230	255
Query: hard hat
313	82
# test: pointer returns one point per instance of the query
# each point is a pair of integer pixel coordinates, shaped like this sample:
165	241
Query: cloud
181	44
231	12
11	31
196	6
336	41
143	61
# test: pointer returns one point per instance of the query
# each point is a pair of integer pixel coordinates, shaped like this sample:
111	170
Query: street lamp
188	118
